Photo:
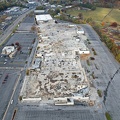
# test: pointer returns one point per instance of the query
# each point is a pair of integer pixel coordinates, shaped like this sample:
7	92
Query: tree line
109	42
5	5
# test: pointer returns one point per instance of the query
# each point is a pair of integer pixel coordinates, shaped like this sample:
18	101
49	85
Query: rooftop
8	49
44	17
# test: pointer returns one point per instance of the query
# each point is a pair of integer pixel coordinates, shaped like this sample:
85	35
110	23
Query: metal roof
44	17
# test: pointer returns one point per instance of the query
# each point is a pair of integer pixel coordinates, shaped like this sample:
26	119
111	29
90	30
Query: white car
5	60
5	63
11	101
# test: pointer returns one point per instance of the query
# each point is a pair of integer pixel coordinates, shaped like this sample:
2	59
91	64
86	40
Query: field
98	14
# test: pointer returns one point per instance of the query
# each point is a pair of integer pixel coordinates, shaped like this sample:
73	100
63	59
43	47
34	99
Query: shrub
38	48
33	28
93	75
99	93
89	42
88	62
94	52
89	20
92	49
108	116
27	72
93	8
20	98
92	58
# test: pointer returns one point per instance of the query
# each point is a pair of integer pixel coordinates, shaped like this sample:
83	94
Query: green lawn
98	14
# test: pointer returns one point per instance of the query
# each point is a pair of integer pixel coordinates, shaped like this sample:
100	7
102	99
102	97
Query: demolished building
61	77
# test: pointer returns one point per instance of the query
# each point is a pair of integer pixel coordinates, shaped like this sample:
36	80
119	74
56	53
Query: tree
80	15
118	57
19	48
57	11
103	24
40	8
33	28
89	20
17	43
114	24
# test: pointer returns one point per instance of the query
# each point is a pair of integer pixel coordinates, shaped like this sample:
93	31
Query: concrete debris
56	73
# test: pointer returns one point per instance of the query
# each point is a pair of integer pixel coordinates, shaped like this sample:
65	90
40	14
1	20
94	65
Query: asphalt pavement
28	113
54	115
106	68
6	89
62	113
10	87
10	29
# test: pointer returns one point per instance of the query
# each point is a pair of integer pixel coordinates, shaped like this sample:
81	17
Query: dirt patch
84	56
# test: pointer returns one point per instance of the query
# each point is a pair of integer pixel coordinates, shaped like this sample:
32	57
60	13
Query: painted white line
11	97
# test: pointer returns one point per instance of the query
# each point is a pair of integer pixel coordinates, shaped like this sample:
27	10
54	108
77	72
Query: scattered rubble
56	73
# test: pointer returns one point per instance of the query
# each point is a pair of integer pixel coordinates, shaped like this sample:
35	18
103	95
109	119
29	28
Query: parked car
6	76
3	82
5	60
11	101
92	58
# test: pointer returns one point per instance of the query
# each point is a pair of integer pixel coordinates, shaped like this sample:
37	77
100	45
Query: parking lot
10	68
54	115
28	19
7	81
26	40
104	68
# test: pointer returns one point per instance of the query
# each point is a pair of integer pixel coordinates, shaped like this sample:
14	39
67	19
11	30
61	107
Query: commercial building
43	18
38	12
8	50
